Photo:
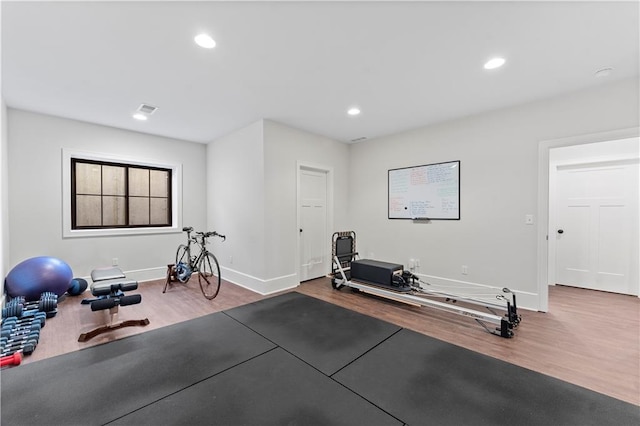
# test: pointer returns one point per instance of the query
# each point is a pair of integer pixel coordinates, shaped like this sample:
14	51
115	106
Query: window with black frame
107	195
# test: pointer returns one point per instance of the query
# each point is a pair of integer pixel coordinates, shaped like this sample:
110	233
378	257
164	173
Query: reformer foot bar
403	286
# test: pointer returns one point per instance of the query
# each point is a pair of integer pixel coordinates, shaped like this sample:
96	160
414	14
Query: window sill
83	233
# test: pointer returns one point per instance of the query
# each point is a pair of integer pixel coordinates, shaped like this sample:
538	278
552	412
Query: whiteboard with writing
429	192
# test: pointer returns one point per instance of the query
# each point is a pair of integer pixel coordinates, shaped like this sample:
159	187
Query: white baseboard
259	285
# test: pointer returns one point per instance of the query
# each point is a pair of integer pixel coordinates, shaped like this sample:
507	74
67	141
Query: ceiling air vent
358	139
147	109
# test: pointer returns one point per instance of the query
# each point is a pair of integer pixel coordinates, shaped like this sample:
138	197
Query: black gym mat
273	389
102	383
293	359
422	380
324	335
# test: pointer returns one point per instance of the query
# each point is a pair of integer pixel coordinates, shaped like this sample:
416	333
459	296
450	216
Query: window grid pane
88	211
114	211
88	179
159	211
138	182
159	183
139	210
113	182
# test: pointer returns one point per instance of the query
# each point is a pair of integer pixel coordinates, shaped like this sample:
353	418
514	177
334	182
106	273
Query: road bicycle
204	263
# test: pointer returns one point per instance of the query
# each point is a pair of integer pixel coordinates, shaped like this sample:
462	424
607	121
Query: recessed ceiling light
140	116
353	111
205	40
604	72
494	63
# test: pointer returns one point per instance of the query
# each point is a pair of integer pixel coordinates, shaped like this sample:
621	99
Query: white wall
285	148
4	194
235	194
4	203
253	200
498	152
35	202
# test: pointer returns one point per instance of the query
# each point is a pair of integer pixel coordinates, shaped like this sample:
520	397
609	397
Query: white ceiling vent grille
147	109
359	139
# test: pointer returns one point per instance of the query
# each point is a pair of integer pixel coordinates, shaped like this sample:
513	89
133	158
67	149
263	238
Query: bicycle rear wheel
182	256
209	276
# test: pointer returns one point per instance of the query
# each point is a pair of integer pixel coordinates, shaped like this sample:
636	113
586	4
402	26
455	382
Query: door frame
328	171
544	200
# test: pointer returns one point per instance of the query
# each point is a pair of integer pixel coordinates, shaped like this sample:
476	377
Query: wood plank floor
588	338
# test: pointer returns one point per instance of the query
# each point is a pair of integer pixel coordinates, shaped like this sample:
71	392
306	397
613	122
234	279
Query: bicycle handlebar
189	229
212	234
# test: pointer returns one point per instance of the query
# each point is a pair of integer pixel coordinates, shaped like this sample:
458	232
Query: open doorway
548	162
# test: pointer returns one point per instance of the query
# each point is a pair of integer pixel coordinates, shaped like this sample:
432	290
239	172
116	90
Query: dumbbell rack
22	322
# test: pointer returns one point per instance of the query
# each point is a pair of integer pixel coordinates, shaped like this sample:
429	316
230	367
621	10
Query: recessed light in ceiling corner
494	63
353	111
205	41
604	72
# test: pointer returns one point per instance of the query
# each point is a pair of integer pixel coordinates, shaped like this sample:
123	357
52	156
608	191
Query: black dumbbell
19	334
8	332
48	302
23	323
26	347
19	311
43	305
19	330
18	322
41	319
17	340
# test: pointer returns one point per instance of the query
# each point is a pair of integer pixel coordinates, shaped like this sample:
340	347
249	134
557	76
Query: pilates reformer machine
391	281
108	287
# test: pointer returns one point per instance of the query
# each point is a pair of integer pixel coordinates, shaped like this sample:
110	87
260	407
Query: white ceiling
405	64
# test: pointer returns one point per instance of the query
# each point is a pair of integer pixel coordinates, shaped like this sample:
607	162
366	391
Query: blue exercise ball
34	276
77	287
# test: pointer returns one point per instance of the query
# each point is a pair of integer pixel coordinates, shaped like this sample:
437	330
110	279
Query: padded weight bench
109	285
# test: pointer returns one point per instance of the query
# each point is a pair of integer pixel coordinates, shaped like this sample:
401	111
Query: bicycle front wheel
209	276
182	256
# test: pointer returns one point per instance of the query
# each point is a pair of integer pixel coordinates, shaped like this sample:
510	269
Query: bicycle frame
204	263
192	262
202	245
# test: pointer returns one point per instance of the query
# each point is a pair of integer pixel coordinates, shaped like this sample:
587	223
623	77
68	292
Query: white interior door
597	227
313	225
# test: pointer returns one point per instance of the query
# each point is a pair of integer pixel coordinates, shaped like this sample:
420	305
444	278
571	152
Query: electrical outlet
230	260
417	263
412	264
465	269
114	261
